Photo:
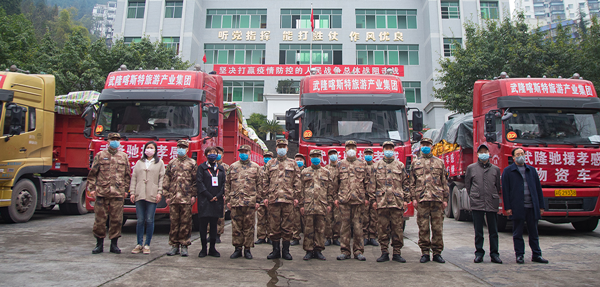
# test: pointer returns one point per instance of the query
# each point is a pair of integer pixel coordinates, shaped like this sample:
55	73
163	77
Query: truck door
14	140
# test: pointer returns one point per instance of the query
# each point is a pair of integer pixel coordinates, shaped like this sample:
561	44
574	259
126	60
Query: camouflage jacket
354	181
392	186
225	166
316	192
334	177
179	184
428	181
281	180
243	186
110	174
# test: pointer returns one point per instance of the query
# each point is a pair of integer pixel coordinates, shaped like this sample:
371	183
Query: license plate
564	192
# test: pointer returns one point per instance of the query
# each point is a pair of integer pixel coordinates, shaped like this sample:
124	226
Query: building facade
544	12
103	20
263	48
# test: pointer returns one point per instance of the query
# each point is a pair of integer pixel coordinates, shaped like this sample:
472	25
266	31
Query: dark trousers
478	221
204	223
532	230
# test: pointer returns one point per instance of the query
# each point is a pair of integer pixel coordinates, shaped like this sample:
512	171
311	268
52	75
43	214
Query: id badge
215	181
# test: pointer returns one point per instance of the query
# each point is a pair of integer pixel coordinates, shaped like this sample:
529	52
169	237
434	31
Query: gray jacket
483	185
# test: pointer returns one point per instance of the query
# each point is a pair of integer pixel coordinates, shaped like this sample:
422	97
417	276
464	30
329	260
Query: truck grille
571	204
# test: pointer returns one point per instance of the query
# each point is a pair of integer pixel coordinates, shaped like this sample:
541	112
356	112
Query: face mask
426	150
368	157
267	159
181	151
219	157
315	160
211	157
114	144
300	163
333	157
483	156
149	152
388	153
351	153
243	156
281	151
520	159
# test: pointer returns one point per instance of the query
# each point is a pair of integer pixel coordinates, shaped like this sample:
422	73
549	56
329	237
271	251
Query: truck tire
23	202
586	226
459	214
448	210
75	208
501	222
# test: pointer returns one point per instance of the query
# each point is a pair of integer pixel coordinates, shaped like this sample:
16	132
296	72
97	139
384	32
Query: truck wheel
448	210
23	202
586	226
459	214
501	222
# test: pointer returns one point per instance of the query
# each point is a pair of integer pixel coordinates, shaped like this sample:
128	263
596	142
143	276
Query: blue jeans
144	211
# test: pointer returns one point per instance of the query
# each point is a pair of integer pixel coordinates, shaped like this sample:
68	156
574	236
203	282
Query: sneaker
137	249
360	257
146	249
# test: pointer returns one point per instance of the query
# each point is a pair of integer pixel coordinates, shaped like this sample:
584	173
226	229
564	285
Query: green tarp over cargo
458	130
75	102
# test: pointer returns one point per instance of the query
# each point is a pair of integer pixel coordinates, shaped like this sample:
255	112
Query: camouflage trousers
430	211
333	224
262	225
370	219
281	221
298	224
104	208
242	226
351	218
391	221
181	224
314	232
220	225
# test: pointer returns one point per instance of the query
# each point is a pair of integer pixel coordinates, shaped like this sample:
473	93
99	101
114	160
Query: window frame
450	14
489	9
301	54
450	46
137	7
257	18
176	10
256	53
255	89
408	54
375	18
172	44
300	18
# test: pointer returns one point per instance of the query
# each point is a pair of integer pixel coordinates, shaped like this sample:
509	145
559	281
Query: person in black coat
524	202
211	187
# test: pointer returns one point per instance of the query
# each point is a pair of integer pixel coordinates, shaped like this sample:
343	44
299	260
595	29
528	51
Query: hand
229	205
168	201
93	194
415	203
405	205
302	210
541	211
366	203
337	203
445	204
509	212
328	209
214	199
132	197
295	203
193	199
266	202
255	207
374	205
500	212
158	198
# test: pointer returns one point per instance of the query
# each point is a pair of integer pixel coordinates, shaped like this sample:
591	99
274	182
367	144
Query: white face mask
351	153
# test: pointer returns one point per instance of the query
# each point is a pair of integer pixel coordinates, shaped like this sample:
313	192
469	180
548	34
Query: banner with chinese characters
538	87
565	165
150	79
135	150
452	161
355	84
303	70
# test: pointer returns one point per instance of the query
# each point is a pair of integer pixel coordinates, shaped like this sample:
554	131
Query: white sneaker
137	249
146	249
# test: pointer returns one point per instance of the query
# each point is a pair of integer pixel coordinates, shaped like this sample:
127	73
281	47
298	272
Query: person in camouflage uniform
332	219
179	188
298	218
370	215
391	197
429	186
243	194
315	201
221	220
262	225
354	181
108	182
282	182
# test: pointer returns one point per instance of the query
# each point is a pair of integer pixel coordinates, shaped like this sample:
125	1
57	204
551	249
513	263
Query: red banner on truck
355	84
304	70
541	87
565	165
151	79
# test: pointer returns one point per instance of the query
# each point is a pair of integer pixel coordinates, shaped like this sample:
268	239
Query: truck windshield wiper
393	140
365	141
538	141
329	138
175	136
144	136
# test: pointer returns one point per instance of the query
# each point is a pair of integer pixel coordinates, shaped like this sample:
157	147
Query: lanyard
212	174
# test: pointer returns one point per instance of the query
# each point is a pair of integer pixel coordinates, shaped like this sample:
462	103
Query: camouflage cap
268	154
183	143
317	152
350	142
282	142
300	155
388	143
113	136
368	150
244	147
427	140
332	151
221	149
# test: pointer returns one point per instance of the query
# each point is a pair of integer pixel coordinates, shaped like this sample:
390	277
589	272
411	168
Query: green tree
17	41
273	127
11	7
41	15
589	60
256	121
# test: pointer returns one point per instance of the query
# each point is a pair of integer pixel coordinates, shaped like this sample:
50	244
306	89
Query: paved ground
53	249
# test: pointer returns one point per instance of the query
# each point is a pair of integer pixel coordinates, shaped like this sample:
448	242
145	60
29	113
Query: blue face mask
281	151
219	157
243	156
426	150
267	159
315	160
114	144
333	157
300	163
484	156
388	153
181	151
368	157
211	157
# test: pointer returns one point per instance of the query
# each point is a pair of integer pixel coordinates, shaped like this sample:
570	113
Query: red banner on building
551	87
303	70
150	79
565	165
355	84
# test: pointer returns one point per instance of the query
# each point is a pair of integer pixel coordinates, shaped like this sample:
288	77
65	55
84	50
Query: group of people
353	199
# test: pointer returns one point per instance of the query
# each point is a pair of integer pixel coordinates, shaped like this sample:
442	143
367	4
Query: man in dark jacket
523	202
482	181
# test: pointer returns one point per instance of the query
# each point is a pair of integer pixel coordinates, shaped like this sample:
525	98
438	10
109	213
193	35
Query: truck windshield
553	126
341	123
149	118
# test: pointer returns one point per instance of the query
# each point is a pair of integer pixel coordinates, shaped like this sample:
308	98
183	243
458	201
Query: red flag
312	20
204	59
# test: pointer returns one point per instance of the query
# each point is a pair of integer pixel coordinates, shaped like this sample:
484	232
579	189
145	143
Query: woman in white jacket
146	192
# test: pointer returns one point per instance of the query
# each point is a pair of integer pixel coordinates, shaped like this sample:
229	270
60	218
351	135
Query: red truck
165	106
369	109
557	122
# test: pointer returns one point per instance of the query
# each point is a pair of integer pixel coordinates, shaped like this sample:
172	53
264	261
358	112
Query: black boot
276	251
319	255
269	241
373	242
247	254
328	242
260	241
285	252
384	257
336	242
308	256
237	253
99	246
203	251
113	246
218	238
295	242
398	258
212	251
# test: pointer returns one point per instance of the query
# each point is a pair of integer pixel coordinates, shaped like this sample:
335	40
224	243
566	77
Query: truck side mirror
290	123
16	119
417	121
213	116
212	132
490	126
88	116
416	136
293	136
